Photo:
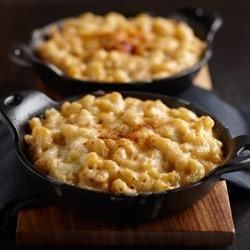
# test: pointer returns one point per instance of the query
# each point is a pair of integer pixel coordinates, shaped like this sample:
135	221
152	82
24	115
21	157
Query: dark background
230	66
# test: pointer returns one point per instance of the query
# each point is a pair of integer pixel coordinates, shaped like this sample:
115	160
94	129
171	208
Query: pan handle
210	21
18	107
241	157
22	55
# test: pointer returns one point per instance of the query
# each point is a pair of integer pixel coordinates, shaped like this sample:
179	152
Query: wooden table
207	223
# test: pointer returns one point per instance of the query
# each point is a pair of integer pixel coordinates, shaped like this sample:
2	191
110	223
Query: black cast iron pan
204	23
16	109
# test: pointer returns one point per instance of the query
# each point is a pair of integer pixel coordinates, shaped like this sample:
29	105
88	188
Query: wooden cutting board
207	223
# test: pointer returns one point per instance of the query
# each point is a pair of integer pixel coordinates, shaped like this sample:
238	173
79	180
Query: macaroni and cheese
123	145
113	48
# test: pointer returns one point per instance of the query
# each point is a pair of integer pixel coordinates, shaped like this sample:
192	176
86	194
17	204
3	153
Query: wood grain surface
207	223
203	79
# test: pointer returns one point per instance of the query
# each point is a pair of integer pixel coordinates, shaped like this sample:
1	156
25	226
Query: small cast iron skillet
16	109
204	23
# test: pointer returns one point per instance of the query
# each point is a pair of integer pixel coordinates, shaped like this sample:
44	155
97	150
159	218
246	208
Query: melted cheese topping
113	48
123	145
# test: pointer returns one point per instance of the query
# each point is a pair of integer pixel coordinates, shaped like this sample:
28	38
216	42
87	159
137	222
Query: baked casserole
123	145
117	49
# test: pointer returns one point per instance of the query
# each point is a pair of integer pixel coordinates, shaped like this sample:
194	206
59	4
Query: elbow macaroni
123	145
113	48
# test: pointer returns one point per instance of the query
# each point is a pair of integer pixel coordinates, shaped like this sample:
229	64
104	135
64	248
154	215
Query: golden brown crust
123	145
113	48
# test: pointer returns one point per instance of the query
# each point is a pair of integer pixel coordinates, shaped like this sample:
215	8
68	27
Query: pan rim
195	108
